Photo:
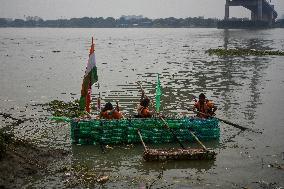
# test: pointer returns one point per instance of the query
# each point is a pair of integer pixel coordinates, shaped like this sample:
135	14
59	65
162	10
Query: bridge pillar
268	16
259	9
227	10
263	13
271	15
253	15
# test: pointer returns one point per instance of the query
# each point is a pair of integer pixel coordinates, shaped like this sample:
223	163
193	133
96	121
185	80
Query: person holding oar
204	108
143	108
108	112
146	99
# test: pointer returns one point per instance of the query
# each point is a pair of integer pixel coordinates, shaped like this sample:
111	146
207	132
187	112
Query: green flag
158	94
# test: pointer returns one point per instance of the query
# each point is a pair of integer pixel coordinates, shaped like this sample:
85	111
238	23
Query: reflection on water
125	164
226	38
40	65
129	158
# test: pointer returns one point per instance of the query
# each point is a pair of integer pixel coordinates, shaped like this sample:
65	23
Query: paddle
117	108
173	133
144	145
195	137
166	124
225	121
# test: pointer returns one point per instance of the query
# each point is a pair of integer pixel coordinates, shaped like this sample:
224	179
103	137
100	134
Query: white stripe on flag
91	64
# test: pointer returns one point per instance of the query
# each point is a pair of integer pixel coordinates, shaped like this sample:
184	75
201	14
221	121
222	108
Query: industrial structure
263	14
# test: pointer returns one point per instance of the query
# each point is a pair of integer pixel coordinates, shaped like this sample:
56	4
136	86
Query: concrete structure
261	10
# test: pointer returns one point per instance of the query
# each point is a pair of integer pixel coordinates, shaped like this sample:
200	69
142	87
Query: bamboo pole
195	137
225	121
145	147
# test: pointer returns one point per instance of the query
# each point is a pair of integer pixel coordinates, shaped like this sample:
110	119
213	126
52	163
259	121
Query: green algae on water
67	109
242	52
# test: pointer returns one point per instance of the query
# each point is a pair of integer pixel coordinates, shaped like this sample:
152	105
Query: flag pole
158	94
88	99
99	99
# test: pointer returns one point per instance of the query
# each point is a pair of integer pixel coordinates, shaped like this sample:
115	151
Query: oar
225	121
145	147
117	108
195	137
152	103
166	124
173	133
140	85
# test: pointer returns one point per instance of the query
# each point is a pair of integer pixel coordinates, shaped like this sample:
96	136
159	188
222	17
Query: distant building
132	17
33	18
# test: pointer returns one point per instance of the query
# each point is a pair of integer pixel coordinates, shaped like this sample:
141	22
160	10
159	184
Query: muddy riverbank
22	162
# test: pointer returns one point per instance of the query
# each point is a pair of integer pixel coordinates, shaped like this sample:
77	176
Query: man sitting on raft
143	108
108	112
205	108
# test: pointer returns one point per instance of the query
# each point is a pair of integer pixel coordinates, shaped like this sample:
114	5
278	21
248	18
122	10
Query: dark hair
108	106
202	96
145	102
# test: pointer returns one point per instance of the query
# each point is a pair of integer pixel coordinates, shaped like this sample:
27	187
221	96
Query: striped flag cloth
90	78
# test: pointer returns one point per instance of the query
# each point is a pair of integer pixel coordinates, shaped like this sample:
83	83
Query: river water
41	64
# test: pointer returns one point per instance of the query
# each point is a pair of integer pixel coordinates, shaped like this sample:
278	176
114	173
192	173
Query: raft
153	130
178	154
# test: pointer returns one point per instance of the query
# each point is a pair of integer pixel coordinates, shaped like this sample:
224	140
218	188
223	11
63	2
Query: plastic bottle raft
153	130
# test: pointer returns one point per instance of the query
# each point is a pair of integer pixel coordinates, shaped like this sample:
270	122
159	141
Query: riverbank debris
242	52
278	166
267	185
102	179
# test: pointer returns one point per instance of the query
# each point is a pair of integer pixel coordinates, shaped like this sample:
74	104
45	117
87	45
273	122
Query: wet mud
21	161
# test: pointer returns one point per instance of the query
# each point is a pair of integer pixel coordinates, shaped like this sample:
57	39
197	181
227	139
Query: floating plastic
153	130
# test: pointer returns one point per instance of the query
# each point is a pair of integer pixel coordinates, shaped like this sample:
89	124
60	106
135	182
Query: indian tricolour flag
90	78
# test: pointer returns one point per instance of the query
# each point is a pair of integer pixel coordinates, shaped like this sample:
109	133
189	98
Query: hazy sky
52	9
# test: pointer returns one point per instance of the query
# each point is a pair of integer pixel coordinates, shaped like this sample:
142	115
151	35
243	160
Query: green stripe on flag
91	78
94	75
82	103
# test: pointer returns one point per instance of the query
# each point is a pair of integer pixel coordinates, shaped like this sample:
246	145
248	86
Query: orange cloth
144	112
116	115
105	114
111	114
206	108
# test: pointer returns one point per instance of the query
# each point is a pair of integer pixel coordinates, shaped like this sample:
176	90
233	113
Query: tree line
100	22
122	22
